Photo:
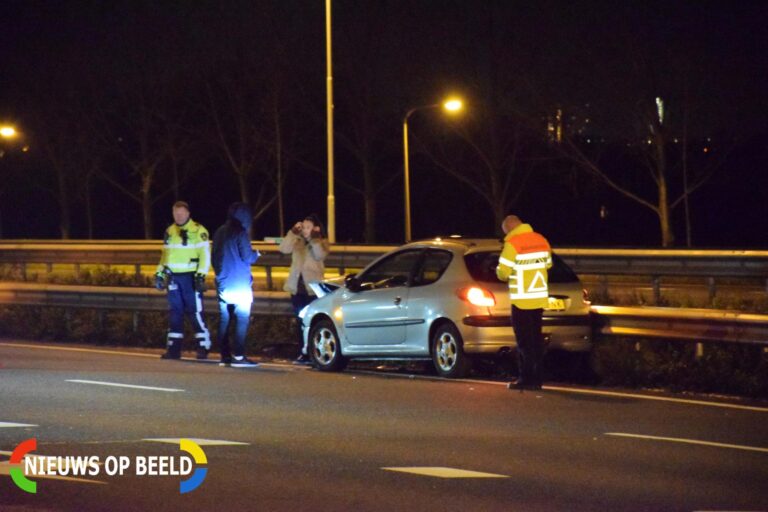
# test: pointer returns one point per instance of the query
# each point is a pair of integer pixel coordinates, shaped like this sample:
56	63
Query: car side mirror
352	283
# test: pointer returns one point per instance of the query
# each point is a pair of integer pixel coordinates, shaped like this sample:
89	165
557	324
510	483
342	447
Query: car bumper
492	334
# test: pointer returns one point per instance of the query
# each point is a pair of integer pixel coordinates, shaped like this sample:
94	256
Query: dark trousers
183	301
240	316
530	347
299	301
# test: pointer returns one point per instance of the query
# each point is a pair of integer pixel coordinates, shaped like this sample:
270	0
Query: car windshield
482	268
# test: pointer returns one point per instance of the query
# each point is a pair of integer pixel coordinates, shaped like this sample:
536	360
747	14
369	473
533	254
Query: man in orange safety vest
523	263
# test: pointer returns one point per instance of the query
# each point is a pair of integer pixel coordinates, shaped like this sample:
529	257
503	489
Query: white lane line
72	349
578	391
656	398
440	472
689	441
131	386
4	424
200	442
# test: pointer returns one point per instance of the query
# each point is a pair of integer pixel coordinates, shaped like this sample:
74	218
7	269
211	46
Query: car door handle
398	300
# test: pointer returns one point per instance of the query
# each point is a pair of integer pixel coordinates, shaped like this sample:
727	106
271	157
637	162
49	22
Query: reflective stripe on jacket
186	249
523	263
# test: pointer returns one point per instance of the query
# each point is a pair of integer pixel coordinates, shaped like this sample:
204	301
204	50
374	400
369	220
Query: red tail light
477	296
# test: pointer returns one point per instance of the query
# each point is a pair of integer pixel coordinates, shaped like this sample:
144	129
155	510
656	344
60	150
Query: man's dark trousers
530	348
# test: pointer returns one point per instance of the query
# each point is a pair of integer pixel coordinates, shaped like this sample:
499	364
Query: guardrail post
656	282
48	268
268	269
137	269
712	287
135	322
68	321
77	270
699	350
604	285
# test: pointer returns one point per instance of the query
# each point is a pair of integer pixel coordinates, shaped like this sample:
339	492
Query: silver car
437	299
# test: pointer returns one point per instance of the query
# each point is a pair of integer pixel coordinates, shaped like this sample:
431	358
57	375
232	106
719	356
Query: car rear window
482	268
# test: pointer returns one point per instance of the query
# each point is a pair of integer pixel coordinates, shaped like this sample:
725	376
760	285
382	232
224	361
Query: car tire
447	347
325	347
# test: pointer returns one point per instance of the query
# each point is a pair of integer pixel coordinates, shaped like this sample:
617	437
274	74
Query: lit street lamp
452	105
8	132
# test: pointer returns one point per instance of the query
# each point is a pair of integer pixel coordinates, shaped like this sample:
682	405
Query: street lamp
8	132
451	105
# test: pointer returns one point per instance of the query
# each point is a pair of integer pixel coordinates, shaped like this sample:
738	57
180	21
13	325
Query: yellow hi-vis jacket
186	249
524	262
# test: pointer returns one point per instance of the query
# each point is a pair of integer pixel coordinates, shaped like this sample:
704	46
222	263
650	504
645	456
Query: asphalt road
315	441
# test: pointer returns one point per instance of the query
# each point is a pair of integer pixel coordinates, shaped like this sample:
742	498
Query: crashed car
437	299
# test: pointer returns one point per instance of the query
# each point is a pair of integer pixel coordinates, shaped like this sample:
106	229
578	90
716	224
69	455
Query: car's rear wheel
448	352
325	347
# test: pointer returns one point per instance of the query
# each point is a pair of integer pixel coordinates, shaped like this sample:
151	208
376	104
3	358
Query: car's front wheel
325	347
448	352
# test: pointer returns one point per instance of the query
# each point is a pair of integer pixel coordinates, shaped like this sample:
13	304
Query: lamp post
329	122
451	105
7	132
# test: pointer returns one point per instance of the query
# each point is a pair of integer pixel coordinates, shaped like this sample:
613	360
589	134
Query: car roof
458	244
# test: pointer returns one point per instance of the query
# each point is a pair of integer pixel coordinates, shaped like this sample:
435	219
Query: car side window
432	267
395	270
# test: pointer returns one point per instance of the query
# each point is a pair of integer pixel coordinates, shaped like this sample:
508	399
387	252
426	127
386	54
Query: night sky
108	93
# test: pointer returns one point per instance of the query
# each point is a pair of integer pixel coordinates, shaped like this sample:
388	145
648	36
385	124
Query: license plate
555	304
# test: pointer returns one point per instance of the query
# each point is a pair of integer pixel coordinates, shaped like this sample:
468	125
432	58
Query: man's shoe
168	355
302	360
225	361
202	353
243	362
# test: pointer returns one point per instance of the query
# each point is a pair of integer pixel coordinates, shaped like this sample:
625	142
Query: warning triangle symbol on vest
539	284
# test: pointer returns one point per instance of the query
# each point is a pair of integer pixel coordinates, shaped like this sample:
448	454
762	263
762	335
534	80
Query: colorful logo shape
197	453
17	474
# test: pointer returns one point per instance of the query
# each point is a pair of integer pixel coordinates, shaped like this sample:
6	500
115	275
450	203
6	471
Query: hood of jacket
241	213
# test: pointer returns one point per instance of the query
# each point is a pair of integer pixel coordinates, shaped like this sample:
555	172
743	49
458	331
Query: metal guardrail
700	325
123	298
685	324
653	263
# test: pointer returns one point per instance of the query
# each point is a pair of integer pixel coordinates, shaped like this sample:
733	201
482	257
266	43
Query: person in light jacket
308	247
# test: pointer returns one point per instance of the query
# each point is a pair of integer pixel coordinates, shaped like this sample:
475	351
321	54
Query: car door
425	299
376	316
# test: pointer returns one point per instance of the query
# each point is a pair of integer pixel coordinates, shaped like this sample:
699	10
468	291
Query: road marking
440	472
561	389
689	441
200	442
131	354
580	391
4	424
72	349
132	386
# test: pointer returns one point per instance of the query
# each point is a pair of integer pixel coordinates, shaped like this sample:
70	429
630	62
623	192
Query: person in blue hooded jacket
232	260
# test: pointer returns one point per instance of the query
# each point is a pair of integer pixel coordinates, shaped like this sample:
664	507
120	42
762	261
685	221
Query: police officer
524	261
182	269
